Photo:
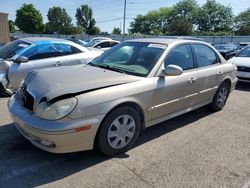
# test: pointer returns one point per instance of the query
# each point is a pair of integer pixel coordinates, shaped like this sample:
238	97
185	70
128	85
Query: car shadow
23	164
243	86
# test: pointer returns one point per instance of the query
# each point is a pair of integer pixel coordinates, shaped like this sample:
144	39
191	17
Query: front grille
27	98
243	69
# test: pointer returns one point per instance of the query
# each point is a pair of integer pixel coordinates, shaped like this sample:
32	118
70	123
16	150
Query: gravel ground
198	149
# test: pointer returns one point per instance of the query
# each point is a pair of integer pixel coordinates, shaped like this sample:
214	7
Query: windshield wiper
108	67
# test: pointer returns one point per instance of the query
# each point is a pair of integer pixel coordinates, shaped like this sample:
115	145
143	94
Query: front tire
220	97
119	131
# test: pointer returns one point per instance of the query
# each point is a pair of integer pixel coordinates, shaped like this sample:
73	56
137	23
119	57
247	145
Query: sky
108	13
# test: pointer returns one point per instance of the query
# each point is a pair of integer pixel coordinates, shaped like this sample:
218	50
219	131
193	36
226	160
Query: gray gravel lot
198	149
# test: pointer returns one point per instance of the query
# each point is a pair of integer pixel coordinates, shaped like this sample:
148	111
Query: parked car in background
24	55
103	44
106	103
227	50
244	44
78	41
242	61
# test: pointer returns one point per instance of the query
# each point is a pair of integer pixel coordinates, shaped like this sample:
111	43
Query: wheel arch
131	104
227	81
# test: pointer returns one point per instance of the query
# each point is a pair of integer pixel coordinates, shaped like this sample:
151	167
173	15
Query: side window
113	44
205	55
66	49
104	45
42	51
181	56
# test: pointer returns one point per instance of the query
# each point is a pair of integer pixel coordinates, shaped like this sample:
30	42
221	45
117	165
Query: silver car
106	103
24	55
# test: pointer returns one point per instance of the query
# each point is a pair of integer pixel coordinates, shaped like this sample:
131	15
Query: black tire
103	143
219	101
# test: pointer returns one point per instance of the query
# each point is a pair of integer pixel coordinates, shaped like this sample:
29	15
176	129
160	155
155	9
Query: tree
182	17
140	25
59	21
12	27
84	17
242	23
153	23
29	19
214	17
180	26
116	31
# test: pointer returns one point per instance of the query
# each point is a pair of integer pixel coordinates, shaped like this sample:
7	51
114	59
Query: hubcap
222	97
121	131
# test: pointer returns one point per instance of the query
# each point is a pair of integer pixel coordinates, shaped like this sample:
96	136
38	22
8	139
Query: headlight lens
56	110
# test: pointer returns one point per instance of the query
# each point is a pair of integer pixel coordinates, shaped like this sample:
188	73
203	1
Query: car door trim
172	101
209	89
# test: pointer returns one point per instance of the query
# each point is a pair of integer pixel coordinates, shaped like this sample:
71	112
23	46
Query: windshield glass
11	49
244	53
134	58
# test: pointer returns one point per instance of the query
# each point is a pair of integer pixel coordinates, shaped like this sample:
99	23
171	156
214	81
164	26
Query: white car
103	44
242	61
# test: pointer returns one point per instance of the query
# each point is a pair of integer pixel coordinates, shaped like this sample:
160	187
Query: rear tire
119	131
220	97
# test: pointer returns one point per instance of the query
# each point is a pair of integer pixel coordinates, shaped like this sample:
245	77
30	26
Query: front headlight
56	110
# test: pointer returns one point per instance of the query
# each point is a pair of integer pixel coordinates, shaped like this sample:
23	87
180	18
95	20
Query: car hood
55	82
241	61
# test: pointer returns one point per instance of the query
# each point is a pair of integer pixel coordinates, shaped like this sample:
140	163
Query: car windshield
11	49
134	58
244	53
91	44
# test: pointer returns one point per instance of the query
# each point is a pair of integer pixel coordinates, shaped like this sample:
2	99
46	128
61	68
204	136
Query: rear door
210	71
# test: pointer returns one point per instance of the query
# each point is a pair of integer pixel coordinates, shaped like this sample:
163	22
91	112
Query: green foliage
59	21
12	27
84	17
29	19
177	20
116	31
153	23
242	23
214	17
180	26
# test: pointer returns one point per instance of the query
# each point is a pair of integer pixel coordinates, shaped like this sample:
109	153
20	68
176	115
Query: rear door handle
192	80
220	73
58	64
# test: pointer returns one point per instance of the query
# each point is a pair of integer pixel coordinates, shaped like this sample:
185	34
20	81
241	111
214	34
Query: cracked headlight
56	110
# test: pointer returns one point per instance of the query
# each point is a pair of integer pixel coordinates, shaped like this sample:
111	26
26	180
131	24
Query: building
4	28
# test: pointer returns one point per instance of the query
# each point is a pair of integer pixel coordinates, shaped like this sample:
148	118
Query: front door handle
192	80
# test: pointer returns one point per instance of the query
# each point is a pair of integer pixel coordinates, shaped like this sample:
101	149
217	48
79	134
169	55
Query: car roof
164	40
42	39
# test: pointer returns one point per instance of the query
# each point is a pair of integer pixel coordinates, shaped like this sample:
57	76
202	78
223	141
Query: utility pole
124	17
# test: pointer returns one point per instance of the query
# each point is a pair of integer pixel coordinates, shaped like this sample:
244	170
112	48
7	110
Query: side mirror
172	70
21	59
99	47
